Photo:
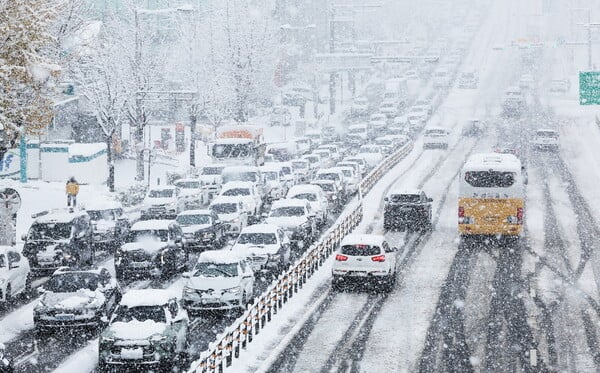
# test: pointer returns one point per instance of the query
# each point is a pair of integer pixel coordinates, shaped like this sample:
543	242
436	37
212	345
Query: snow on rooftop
485	161
86	150
146	297
157	224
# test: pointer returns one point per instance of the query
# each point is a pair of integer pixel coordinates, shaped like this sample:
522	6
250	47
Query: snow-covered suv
296	218
148	329
546	139
362	258
266	248
220	280
160	202
15	275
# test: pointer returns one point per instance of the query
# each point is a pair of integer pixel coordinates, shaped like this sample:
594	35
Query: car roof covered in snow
95	270
219	256
363	239
154	224
58	216
260	228
272	167
186	180
237	184
225	199
288	202
146	297
546	130
195	212
302	189
493	161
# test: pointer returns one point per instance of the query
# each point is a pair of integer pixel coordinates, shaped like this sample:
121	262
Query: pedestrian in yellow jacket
72	190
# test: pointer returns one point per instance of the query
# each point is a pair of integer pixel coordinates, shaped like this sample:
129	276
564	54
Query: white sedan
15	277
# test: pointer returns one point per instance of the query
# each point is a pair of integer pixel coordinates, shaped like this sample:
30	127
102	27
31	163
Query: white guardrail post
240	333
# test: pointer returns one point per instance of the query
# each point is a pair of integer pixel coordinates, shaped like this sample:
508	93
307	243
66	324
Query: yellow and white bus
491	198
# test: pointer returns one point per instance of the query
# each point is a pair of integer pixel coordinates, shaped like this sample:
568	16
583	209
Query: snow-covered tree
27	69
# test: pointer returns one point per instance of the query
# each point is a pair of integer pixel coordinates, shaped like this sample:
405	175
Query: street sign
589	88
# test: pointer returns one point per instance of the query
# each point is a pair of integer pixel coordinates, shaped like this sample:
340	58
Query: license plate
140	264
357	273
65	317
132	353
209	300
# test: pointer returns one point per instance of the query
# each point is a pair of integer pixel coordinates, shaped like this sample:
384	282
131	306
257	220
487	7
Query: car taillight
519	215
378	258
341	258
461	212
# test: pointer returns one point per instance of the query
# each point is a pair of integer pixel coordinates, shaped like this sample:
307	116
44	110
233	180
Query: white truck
238	145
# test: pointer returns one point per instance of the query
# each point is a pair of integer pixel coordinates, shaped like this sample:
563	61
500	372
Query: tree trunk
111	165
139	152
193	120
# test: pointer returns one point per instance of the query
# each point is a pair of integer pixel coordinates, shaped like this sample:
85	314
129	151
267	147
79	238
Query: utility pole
332	50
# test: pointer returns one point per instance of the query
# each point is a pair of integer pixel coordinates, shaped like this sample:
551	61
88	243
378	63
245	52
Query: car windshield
71	282
206	269
490	179
224	208
50	231
347	173
97	215
211	171
271	175
358	130
306	196
327	187
435	132
286	170
299	165
287	211
161	193
328	176
240	176
360	250
550	134
369	149
257	238
187	184
396	198
236	192
186	220
148	234
141	313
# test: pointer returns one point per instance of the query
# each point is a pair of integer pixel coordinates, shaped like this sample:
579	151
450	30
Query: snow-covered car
59	238
389	108
283	151
425	103
220	280
301	169
513	103
160	202
190	194
417	116
210	177
546	139
360	106
386	144
361	161
473	127
152	248
435	137
15	275
364	258
76	298
315	196
378	123
247	193
441	78
315	137
398	141
324	157
245	173
266	248
334	150
358	134
273	176
372	154
148	329
110	225
280	116
468	79
314	161
296	218
351	179
201	229
332	191
231	213
358	168
288	173
304	145
336	175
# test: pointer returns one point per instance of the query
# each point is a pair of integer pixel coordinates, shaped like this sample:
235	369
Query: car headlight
233	290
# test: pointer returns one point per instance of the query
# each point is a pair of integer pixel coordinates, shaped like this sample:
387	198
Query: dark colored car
59	238
76	298
202	229
407	210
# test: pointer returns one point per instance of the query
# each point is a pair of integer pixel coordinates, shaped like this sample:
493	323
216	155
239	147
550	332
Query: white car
372	154
274	180
358	134
210	177
190	194
296	218
109	222
435	137
526	81
362	258
546	139
246	192
160	201
219	280
417	117
301	169
426	103
314	161
560	85
334	150
468	79
325	157
386	144
361	161
441	78
389	108
334	174
15	275
378	122
360	106
358	168
231	213
266	248
315	196
351	179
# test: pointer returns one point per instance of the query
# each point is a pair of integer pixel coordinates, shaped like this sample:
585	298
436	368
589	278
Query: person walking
72	190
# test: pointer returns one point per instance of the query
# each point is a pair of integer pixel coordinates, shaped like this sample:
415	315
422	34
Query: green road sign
589	88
